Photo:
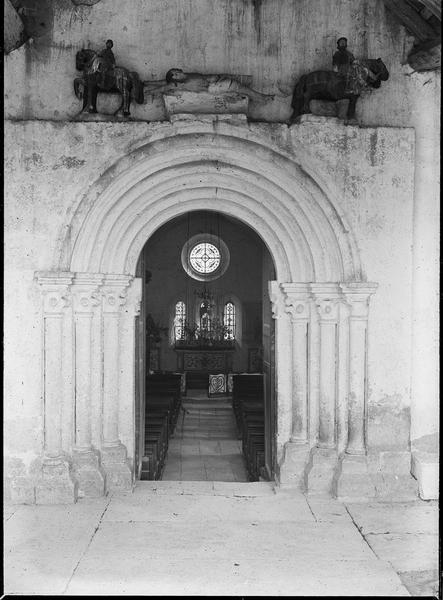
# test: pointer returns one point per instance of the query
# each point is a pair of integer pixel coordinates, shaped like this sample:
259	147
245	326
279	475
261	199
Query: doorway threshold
229	489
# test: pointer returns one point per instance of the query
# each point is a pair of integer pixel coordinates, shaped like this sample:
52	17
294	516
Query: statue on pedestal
100	73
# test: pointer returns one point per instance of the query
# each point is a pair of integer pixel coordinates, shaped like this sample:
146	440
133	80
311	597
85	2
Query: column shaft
83	381
299	381
357	384
327	384
53	385
357	296
110	379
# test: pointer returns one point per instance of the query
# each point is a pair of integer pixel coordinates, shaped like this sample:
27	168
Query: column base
89	474
353	479
117	470
293	466
321	471
56	484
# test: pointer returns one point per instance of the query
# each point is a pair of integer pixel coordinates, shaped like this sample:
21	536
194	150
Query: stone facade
348	214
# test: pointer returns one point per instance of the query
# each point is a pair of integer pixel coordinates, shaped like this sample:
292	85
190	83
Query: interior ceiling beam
434	6
14	30
426	56
411	19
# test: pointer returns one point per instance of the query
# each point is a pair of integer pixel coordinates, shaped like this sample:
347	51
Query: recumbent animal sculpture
330	85
101	75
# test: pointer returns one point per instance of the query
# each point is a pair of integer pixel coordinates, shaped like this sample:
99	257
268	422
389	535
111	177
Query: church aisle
205	444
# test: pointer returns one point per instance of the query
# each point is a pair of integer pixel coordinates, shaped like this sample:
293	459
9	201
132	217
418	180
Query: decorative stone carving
329	85
278	306
203	93
99	74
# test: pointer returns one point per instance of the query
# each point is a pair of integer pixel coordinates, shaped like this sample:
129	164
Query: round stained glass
205	258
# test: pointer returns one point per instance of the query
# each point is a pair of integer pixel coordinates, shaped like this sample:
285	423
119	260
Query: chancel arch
319	301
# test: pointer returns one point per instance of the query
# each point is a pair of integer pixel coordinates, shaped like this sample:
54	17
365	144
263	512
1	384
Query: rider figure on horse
355	73
105	62
342	62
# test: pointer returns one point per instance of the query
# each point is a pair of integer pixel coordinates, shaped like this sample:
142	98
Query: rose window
204	258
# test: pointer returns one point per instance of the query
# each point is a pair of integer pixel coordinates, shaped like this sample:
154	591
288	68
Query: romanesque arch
319	299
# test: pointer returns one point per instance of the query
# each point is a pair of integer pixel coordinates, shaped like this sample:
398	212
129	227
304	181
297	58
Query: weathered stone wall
372	171
52	165
274	41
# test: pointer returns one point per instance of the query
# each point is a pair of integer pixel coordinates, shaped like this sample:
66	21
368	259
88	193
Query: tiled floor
205	444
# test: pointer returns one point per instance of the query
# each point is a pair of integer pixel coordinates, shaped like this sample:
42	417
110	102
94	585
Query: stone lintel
183	101
208	117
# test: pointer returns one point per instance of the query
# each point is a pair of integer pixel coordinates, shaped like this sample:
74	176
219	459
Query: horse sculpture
330	85
116	79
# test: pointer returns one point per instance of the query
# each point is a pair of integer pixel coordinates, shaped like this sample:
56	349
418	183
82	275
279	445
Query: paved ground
219	538
205	445
212	534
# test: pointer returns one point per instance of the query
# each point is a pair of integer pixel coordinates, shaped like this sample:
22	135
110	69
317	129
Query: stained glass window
204	258
229	320
180	320
205	316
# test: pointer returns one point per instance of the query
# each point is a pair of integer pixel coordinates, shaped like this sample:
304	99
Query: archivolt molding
303	230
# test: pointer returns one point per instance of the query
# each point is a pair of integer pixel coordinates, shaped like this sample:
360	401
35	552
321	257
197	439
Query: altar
214	361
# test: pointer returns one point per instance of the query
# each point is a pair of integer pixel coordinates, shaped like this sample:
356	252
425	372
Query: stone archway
319	302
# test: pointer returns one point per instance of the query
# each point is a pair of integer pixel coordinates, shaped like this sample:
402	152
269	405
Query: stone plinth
118	472
56	484
293	466
328	108
89	474
353	479
425	468
203	102
321	474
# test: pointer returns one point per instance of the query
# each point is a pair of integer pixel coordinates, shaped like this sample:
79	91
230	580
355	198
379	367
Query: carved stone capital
134	297
55	291
85	292
357	296
114	292
327	298
277	300
297	300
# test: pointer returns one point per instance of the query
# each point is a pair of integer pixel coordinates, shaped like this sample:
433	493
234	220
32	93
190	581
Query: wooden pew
248	404
163	402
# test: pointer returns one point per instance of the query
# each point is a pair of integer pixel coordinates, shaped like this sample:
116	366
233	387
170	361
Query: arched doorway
319	301
206	315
